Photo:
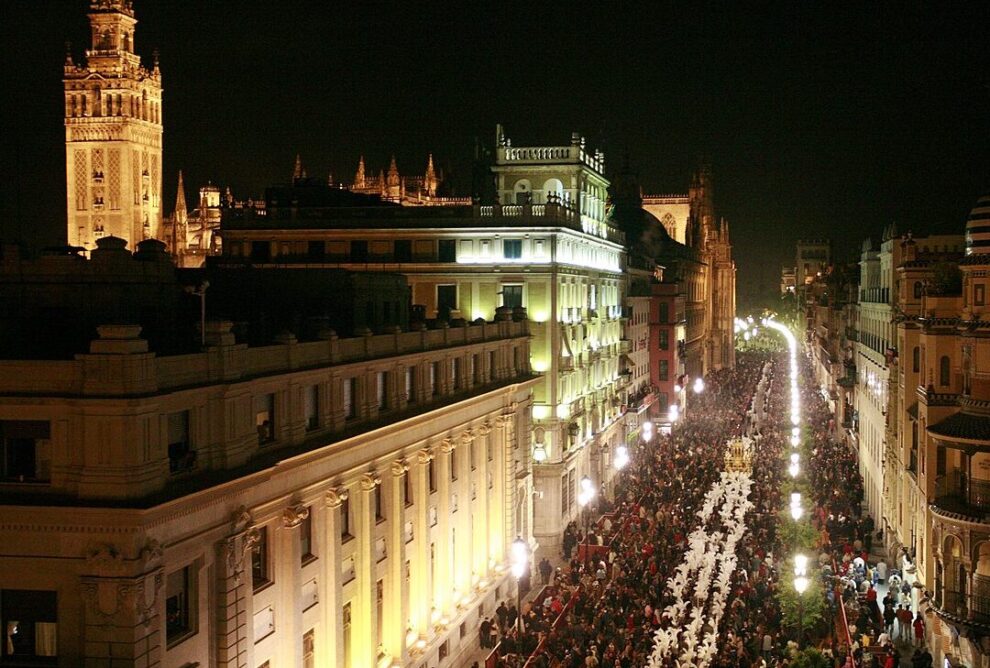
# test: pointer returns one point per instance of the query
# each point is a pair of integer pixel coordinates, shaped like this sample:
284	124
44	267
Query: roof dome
978	228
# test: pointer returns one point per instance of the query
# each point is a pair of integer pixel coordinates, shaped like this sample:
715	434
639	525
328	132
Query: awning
963	426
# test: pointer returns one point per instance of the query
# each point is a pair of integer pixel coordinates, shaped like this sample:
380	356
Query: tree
809	658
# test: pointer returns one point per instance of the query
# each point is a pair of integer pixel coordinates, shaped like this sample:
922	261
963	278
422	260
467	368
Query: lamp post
621	457
585	496
800	586
520	561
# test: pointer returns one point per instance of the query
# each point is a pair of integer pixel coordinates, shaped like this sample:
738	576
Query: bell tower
113	134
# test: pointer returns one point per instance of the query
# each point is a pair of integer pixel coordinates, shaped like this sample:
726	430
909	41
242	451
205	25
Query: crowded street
736	539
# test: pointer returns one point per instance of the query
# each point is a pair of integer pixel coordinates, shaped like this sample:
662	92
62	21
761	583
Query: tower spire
181	211
359	178
431	178
297	171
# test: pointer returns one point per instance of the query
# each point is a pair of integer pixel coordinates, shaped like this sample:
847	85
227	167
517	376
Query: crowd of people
614	601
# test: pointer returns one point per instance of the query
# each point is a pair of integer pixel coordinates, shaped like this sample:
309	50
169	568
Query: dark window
261	251
407	491
448	250
432	474
316	251
260	568
940	460
180	455
512	249
662	400
664	314
979	294
359	251
916	359
664	339
345	518
664	369
944	369
25	450
917	289
446	300
264	418
453	464
306	538
178	590
512	295
403	250
379	507
311	407
29	620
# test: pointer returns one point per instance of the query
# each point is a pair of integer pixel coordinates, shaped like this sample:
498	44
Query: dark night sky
830	119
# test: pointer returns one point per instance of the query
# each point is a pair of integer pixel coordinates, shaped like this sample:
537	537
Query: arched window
917	289
916	359
943	370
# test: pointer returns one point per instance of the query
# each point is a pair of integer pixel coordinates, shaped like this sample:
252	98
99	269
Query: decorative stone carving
336	496
485	429
370	480
241	519
467	437
447	445
424	456
152	552
399	466
105	559
293	516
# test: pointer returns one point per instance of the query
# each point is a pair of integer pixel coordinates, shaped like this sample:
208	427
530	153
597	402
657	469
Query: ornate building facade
335	501
113	134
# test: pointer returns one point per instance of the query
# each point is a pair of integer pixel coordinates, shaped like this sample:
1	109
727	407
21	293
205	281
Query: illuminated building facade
336	501
113	134
544	248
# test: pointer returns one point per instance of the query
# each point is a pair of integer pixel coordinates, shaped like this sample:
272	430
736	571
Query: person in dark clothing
545	570
486	633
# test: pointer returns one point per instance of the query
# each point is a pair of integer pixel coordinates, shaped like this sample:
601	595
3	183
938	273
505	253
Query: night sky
827	120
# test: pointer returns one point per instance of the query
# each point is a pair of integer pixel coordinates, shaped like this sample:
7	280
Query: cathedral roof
978	227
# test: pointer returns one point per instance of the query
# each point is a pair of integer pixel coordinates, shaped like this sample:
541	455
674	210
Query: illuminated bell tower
113	134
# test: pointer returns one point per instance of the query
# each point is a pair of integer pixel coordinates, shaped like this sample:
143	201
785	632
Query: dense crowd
619	597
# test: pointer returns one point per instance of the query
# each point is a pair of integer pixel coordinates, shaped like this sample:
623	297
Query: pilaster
331	652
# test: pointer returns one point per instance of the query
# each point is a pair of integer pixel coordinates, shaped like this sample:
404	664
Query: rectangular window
979	294
379	506
306	538
309	649
434	375
446	300
593	297
664	314
664	339
264	418
381	395
447	250
410	382
350	410
345	518
512	295
453	464
178	620
563	496
359	251
316	251
432	473
25	450
311	407
29	619
180	455
260	566
455	373
512	249
402	251
407	489
664	369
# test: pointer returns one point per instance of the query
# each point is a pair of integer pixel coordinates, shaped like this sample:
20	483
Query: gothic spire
431	178
359	181
180	201
298	172
393	173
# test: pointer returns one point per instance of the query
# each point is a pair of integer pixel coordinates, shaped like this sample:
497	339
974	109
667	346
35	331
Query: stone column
501	508
233	587
331	652
462	520
420	585
396	593
481	549
442	588
290	551
364	629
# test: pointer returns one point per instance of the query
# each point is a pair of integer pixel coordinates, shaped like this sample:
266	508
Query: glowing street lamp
796	509
586	496
800	586
647	431
621	457
699	385
800	564
673	413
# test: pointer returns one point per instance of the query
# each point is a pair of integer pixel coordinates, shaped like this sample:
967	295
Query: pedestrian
486	633
545	570
919	630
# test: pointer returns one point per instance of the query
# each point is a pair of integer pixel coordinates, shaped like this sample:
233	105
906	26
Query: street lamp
520	560
800	586
621	457
200	292
796	510
585	496
673	413
699	385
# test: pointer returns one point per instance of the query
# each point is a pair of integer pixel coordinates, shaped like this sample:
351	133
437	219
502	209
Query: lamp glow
800	564
539	453
800	584
520	557
621	457
699	385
